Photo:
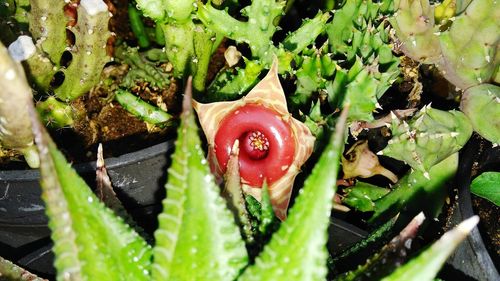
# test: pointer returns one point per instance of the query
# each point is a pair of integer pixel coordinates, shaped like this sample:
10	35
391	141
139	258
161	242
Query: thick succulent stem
56	113
256	32
188	44
15	125
428	138
138	27
142	109
38	65
89	52
47	24
482	105
414	25
466	53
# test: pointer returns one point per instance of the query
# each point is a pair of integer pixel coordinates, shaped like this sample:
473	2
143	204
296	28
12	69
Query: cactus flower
273	144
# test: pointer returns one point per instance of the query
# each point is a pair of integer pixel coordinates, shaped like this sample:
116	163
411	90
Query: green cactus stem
39	67
228	83
482	105
89	52
263	14
256	32
47	23
428	138
55	113
141	109
15	125
188	44
428	263
469	48
414	26
137	27
229	86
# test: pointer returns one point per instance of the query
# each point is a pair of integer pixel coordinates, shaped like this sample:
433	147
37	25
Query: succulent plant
197	237
263	13
466	53
47	23
482	105
188	44
428	138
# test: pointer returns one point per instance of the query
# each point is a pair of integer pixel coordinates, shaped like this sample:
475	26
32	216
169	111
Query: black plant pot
472	257
138	179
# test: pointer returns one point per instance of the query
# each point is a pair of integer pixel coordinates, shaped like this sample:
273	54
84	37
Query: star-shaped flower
273	145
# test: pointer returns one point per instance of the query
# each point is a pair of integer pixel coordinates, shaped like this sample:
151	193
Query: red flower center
267	146
255	144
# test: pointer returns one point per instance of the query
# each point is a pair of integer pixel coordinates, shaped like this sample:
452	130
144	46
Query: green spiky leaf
90	241
305	230
197	237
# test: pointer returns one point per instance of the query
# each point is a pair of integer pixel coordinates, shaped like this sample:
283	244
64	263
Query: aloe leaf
305	230
10	271
487	185
197	237
90	241
427	264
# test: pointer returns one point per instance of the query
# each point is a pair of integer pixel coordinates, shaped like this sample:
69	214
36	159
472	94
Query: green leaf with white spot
197	237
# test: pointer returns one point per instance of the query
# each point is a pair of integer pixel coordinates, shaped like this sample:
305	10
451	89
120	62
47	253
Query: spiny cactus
256	32
56	113
466	53
188	44
261	13
15	125
429	137
359	35
482	105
